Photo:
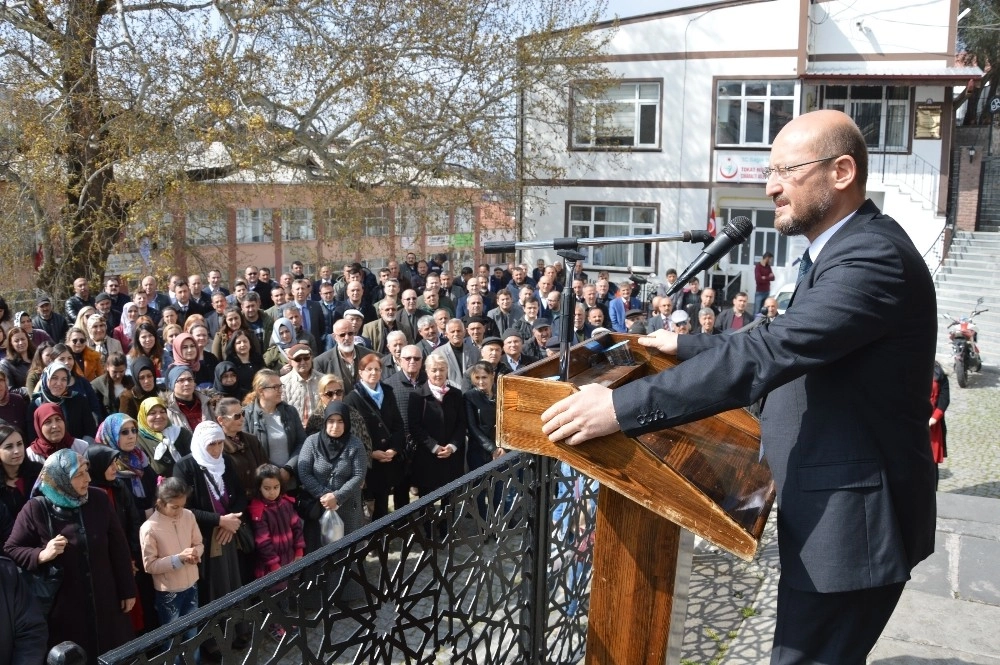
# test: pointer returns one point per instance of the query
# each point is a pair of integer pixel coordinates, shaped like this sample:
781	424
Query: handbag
45	581
307	506
244	539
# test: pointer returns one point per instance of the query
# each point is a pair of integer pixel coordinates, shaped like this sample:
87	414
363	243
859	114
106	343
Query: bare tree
112	107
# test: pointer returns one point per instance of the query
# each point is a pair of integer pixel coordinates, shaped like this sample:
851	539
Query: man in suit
313	320
460	352
846	372
664	307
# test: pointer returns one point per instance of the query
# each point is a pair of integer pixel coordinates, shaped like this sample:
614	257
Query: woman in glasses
275	423
186	406
331	389
376	402
88	363
244	448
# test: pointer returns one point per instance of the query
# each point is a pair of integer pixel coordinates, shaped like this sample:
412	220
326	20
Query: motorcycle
963	335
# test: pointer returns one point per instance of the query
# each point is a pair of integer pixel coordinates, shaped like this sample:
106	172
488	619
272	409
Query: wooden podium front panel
705	475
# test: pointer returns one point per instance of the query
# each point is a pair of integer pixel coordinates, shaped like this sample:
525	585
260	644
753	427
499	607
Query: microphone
734	233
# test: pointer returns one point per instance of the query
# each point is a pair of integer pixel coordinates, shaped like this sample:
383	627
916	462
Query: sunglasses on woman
333	393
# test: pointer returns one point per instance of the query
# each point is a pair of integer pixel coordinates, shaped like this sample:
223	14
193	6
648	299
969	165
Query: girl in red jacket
277	528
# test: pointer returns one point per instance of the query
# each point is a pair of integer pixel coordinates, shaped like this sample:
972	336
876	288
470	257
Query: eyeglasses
410	359
126	432
301	358
333	393
78	340
784	171
235	416
277	387
409	299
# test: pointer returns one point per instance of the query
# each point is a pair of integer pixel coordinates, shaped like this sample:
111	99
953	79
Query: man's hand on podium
580	417
663	341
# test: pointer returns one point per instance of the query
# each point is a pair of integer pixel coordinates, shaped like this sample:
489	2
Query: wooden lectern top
706	476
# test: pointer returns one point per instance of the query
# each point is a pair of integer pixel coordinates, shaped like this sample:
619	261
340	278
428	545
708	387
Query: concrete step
972	262
968	284
974	253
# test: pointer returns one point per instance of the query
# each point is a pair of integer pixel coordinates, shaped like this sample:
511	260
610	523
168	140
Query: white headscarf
205	433
128	327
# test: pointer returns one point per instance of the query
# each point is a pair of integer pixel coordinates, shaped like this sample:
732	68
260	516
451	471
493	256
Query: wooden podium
704	476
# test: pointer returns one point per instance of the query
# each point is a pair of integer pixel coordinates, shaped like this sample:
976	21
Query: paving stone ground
726	592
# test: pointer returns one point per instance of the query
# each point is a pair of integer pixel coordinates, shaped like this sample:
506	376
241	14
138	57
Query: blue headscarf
55	481
136	461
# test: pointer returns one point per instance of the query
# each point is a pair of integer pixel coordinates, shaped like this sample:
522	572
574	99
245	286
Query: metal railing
434	582
911	172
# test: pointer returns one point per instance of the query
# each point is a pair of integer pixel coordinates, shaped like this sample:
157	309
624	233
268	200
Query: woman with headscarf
186	406
227	382
376	402
331	389
242	353
121	432
97	590
186	353
52	434
57	387
100	337
217	500
123	331
282	339
104	476
146	344
19	475
17	362
198	329
163	443
143	386
332	466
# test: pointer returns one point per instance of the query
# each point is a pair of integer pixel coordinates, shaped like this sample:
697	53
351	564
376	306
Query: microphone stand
568	249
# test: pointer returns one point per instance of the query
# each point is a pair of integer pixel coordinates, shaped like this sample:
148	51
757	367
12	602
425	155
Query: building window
882	112
628	116
407	222
603	221
463	220
375	223
438	220
253	225
752	112
205	227
765	238
297	224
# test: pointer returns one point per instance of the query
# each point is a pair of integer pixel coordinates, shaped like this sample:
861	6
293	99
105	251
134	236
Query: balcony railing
433	582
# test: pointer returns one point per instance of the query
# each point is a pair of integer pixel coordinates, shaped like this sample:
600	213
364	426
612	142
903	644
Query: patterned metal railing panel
396	591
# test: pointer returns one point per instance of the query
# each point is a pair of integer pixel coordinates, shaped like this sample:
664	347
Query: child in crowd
171	551
277	528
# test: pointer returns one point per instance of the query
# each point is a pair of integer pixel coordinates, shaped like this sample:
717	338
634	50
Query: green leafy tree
979	40
109	109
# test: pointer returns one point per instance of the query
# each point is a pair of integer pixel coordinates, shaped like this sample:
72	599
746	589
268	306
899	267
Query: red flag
711	222
39	257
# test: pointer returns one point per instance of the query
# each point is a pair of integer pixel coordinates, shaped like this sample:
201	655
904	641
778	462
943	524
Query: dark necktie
804	265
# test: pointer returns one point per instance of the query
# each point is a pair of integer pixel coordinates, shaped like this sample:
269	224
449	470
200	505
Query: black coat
385	427
23	630
434	423
97	571
481	420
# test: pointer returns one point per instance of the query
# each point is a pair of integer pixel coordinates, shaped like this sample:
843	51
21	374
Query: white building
703	92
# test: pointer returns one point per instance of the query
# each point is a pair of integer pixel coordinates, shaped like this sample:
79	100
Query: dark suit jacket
724	321
847	373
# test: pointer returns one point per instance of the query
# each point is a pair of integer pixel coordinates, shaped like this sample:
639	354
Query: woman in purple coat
70	525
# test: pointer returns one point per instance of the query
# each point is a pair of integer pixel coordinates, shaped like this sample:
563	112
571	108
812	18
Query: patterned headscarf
43	382
55	481
135	462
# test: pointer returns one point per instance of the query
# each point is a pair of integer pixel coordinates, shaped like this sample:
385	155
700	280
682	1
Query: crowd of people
197	436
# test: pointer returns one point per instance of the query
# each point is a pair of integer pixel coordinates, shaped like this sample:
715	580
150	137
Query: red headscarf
41	445
178	360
